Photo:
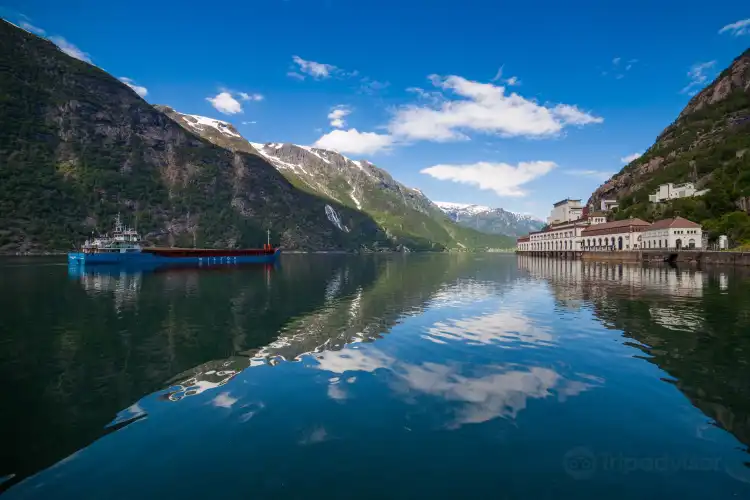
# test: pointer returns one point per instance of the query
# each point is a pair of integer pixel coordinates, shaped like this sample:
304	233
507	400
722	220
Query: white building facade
565	236
672	191
673	233
616	235
566	210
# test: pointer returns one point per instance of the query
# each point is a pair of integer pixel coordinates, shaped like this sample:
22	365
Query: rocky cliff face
407	216
706	145
490	220
77	146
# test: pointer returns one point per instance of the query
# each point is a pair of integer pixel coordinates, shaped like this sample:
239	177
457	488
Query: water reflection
681	318
352	357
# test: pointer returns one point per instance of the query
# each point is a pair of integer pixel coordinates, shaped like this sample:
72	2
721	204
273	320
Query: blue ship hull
151	260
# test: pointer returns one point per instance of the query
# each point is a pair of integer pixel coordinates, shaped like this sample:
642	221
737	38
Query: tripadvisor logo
583	463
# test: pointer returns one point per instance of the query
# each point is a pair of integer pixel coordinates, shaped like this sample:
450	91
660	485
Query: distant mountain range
404	213
490	220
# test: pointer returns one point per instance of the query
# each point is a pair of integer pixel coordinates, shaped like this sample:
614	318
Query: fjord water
399	376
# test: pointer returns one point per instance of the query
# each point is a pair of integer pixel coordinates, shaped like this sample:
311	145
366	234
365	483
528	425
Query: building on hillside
566	210
608	205
596	217
677	232
672	191
615	235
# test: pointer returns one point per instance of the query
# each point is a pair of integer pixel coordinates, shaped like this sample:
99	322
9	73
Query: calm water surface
419	376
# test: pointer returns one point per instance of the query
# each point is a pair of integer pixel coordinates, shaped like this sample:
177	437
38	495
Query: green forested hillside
708	144
77	146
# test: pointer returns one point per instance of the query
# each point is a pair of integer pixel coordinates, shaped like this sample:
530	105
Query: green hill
709	145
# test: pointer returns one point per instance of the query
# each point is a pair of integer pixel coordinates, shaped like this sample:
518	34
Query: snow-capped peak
200	122
466	208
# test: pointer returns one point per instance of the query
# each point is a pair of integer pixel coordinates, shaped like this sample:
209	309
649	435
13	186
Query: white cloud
315	69
354	141
737	29
138	89
595	174
70	49
294	74
502	178
698	77
250	97
337	115
513	81
249	123
627	159
616	61
225	103
485	108
223	400
33	29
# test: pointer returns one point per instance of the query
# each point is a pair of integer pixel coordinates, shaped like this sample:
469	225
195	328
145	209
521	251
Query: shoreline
699	257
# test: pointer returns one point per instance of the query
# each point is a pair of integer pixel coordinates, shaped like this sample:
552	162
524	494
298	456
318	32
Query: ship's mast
268	232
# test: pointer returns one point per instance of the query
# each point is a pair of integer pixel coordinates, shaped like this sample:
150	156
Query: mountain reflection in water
507	362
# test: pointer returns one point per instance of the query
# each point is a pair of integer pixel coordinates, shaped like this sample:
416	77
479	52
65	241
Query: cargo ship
123	246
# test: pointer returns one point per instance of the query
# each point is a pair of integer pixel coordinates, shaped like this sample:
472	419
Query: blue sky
417	83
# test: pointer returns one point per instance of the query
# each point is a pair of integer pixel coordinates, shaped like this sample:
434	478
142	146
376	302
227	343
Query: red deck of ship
207	252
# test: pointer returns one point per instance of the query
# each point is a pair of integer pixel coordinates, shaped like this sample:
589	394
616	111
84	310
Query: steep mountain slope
490	220
404	213
708	144
77	146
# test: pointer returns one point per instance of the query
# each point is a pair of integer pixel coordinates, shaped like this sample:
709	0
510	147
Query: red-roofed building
677	232
615	235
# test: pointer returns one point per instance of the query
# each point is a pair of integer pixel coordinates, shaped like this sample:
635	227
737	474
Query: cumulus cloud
502	178
355	142
337	115
33	29
698	75
225	103
738	28
314	69
70	49
138	89
250	97
483	107
595	174
627	159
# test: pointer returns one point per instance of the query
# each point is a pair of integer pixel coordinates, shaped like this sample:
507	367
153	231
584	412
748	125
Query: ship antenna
268	232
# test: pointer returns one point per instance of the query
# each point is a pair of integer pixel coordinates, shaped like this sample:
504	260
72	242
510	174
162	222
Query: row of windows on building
553	236
588	243
607	243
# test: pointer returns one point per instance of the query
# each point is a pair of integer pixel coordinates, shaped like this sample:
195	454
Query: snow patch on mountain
198	123
468	209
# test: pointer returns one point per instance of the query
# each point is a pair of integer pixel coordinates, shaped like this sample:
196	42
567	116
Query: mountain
708	144
404	213
490	220
77	146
